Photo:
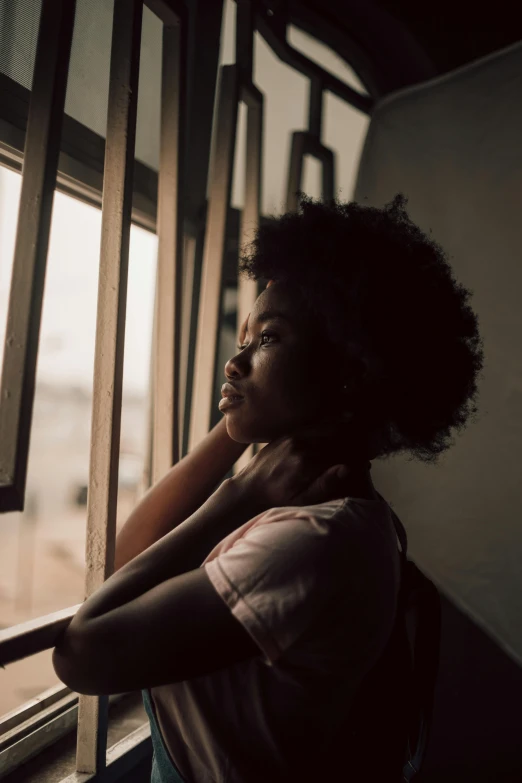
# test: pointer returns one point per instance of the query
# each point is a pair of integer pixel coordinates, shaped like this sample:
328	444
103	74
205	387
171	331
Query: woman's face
286	372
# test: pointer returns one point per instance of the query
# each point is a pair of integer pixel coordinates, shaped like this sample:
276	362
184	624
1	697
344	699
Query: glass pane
42	550
89	66
149	90
88	83
19	22
10	184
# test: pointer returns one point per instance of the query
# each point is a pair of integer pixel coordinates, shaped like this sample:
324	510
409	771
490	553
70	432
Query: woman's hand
297	470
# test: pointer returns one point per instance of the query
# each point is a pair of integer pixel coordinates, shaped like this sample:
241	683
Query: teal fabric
163	768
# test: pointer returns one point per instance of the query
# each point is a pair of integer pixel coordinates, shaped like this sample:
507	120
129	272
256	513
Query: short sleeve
276	578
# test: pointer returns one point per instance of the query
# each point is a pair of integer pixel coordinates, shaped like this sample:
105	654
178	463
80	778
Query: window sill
57	763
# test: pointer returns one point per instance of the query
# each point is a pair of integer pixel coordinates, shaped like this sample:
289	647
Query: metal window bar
167	347
110	333
47	724
235	85
175	271
34	636
189	279
309	143
146	475
121	758
32	240
272	25
21	714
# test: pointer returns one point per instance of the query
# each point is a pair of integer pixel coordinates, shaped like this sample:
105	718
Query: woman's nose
234	368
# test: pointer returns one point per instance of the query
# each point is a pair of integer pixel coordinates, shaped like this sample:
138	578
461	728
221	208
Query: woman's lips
229	402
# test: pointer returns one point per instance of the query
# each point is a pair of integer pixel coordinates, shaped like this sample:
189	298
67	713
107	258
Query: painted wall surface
453	147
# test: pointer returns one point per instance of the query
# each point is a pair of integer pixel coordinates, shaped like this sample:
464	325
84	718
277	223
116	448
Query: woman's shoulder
362	532
356	508
347	524
346	513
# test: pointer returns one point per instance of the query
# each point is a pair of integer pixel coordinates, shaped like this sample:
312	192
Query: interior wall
452	146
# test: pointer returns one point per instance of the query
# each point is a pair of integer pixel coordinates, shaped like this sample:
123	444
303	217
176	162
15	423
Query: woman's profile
249	614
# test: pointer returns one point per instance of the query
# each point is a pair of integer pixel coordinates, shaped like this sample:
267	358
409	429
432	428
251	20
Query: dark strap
399	529
419	601
373	733
413	654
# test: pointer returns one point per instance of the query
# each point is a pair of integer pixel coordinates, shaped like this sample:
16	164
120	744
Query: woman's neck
357	484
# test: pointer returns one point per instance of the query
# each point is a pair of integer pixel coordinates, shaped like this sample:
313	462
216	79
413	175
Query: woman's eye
264	335
268	335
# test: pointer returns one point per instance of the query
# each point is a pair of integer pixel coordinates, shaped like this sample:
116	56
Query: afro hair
372	278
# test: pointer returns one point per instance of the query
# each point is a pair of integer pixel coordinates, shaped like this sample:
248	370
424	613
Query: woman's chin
242	433
238	433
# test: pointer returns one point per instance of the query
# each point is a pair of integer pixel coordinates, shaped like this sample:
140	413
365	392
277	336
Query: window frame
35	725
32	240
81	156
39	724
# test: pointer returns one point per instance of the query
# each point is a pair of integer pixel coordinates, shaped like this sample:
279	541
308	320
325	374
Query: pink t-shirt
316	588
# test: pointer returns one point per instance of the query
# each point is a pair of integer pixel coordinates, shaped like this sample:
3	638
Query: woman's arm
161	606
178	552
185	487
286	472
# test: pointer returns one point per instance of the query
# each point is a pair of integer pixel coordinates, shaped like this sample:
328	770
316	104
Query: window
42	550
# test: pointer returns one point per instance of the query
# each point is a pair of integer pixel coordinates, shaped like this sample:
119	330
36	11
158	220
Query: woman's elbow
73	662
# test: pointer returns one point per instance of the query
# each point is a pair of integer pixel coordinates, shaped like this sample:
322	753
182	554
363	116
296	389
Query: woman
250	615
